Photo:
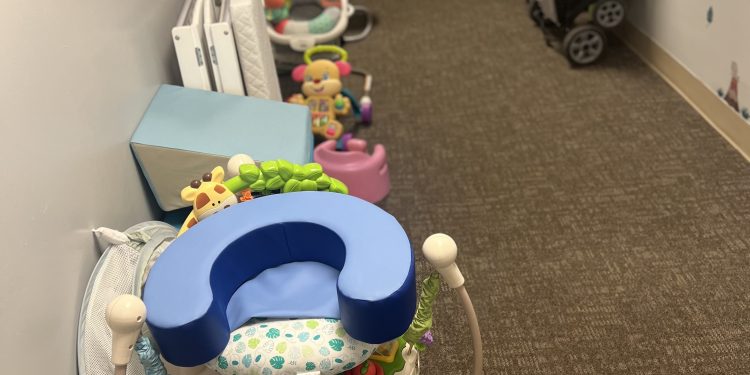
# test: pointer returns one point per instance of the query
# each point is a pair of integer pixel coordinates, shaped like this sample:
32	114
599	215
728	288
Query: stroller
577	27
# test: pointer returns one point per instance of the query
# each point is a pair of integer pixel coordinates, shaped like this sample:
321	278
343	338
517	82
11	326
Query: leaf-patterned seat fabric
281	347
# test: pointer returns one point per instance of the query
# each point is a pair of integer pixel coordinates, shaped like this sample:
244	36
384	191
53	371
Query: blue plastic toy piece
202	286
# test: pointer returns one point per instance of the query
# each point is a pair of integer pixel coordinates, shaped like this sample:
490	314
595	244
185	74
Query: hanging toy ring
343	55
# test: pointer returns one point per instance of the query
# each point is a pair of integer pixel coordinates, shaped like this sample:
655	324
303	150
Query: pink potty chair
365	175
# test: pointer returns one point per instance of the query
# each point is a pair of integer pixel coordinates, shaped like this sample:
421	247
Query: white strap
111	236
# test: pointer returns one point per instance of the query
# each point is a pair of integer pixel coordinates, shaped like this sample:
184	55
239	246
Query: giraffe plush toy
209	195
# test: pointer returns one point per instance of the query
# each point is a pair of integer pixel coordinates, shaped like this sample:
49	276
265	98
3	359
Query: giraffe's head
209	195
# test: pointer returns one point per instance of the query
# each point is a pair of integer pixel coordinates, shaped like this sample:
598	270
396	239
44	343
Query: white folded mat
254	49
221	44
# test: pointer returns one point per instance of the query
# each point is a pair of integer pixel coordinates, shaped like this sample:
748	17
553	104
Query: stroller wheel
584	44
609	13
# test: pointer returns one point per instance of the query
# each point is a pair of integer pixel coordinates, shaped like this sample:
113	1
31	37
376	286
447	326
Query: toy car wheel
535	12
584	44
609	13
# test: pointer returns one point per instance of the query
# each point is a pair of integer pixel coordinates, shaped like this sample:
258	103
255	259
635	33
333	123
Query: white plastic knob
440	250
125	316
233	165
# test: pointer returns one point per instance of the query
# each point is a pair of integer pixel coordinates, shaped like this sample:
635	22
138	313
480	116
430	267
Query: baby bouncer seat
243	291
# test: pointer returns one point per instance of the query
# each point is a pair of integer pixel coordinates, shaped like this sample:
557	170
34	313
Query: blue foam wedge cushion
189	289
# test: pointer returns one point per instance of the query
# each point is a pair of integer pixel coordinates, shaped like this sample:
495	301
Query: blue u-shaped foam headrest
191	285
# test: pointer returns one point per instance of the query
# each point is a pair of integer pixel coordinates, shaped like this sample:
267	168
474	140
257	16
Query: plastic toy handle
325	48
125	316
440	250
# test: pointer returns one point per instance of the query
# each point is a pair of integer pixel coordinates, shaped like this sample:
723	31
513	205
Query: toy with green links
423	318
283	176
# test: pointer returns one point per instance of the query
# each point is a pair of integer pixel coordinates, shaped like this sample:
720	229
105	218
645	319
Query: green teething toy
283	176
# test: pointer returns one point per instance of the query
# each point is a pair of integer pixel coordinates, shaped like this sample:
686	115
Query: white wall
707	49
75	78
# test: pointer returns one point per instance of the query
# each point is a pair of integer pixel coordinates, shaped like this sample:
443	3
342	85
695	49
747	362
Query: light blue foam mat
185	133
221	124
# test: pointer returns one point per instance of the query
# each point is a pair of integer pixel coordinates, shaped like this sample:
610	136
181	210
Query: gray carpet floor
601	222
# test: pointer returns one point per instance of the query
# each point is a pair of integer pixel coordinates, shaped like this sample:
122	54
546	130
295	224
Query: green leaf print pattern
340	332
277	362
281	348
291	346
336	344
240	347
223	364
273	333
325	364
253	343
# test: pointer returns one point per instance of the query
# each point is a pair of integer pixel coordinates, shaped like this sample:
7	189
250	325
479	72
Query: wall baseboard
717	113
